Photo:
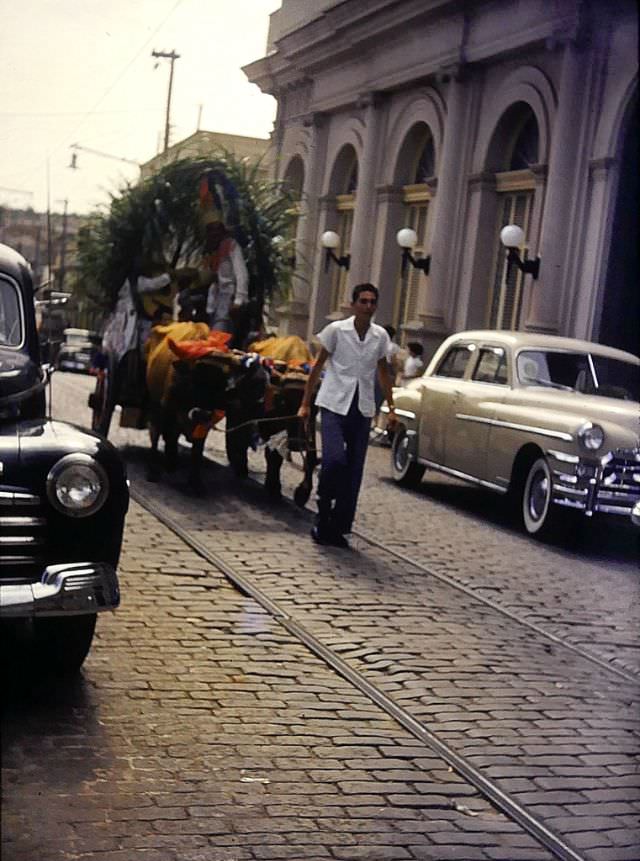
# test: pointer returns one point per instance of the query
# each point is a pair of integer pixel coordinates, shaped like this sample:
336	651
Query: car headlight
591	436
77	485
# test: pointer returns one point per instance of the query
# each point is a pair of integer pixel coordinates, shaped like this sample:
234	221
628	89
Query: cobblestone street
202	727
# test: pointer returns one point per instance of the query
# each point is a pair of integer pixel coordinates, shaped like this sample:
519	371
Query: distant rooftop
204	143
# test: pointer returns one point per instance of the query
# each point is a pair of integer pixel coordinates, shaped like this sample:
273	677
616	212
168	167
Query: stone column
547	296
364	215
294	315
586	312
451	174
321	284
386	254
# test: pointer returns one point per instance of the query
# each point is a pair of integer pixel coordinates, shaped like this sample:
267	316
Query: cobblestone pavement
554	729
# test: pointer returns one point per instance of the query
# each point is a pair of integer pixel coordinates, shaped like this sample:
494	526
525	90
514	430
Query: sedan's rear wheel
537	507
404	469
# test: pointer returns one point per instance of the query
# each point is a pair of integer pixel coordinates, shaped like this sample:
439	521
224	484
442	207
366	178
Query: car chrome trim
563	456
407	414
22	521
10	497
75	588
513	426
463	475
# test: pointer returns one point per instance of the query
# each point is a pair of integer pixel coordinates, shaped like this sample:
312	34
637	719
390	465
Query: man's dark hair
415	347
364	288
390	330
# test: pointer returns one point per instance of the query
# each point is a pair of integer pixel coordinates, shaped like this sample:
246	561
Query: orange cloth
290	349
216	342
160	357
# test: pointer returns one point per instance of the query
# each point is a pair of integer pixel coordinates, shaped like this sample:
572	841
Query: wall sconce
512	238
408	239
330	241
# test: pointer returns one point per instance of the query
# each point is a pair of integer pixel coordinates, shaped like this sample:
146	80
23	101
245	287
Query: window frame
470	347
492	348
21	314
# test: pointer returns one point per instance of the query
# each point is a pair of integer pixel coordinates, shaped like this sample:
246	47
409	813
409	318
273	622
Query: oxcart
200	383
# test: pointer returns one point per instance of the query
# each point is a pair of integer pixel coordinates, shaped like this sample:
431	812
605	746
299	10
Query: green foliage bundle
157	223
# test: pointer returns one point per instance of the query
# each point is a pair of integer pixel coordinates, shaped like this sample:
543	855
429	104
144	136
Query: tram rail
490	789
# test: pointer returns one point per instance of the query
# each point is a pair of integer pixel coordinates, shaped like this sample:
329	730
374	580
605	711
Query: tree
159	220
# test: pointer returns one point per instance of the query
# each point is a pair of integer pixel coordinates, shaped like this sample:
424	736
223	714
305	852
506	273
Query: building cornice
453	34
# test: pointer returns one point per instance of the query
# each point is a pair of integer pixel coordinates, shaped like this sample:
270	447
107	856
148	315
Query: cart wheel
102	401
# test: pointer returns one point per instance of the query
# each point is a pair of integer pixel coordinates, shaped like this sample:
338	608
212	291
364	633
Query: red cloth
217	342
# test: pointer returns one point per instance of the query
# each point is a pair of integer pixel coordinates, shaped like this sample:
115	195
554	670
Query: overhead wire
113	84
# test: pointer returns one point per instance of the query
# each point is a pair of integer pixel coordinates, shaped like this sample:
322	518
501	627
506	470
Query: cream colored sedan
553	421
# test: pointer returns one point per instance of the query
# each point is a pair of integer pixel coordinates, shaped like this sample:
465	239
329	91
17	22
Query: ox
259	396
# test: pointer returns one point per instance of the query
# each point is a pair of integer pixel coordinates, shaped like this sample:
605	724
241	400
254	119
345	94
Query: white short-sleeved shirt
352	364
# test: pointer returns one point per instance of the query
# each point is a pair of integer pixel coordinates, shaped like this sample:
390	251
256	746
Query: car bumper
608	486
76	588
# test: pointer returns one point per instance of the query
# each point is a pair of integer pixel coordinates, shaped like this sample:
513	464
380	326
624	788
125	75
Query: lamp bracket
423	263
527	267
343	261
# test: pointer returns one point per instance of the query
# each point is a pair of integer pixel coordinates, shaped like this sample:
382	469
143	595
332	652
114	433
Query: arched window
516	145
346	186
416	167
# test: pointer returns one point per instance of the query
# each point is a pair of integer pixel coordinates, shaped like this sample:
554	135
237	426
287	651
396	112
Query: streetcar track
530	823
557	640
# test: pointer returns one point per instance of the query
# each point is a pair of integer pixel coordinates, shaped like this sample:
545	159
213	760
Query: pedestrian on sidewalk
354	350
413	364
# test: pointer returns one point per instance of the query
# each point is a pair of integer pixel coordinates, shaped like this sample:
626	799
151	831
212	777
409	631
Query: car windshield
10	316
580	372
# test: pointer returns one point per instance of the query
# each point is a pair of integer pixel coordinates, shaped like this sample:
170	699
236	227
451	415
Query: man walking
353	350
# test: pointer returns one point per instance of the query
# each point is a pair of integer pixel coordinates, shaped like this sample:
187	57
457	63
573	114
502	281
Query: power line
117	80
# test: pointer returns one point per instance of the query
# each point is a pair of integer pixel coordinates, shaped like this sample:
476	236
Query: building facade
456	119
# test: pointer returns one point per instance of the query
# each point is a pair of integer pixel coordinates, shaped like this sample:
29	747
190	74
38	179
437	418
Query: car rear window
10	315
455	361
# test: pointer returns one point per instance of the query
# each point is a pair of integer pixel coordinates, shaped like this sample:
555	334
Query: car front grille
22	536
619	487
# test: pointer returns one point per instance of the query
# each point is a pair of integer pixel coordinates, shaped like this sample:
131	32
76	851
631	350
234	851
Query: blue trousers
344	449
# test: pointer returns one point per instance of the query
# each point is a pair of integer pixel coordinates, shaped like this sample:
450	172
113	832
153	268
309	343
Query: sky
81	71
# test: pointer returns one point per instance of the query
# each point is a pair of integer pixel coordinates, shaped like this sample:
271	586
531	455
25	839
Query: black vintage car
63	500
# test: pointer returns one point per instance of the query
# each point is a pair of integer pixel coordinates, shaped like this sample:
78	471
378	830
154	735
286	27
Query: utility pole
172	57
63	247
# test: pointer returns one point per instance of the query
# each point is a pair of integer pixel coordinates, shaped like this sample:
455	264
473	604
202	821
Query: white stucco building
457	118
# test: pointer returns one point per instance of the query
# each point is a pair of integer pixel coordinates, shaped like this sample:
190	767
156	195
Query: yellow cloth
160	357
288	349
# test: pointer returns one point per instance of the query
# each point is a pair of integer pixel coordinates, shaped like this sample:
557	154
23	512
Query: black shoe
331	539
320	536
338	540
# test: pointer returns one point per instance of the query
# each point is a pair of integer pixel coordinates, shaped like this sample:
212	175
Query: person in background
392	357
229	285
413	364
354	350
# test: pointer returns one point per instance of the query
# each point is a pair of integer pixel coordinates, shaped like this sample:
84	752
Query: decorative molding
515	180
317	119
327	202
483	181
600	167
389	194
